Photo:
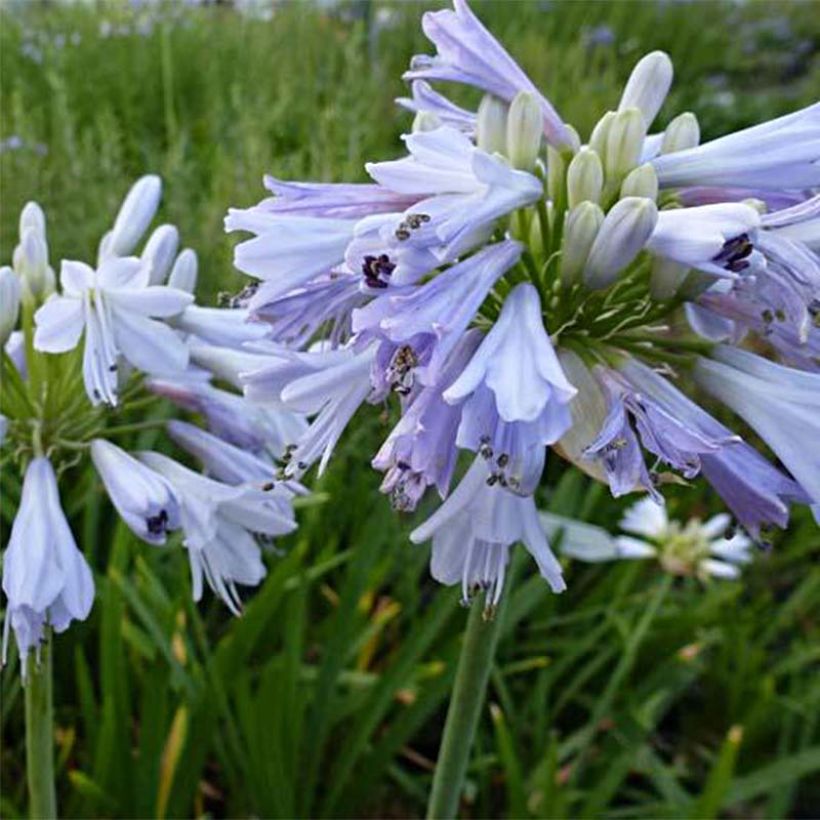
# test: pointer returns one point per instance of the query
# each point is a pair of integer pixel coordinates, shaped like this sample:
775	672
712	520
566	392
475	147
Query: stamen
157	523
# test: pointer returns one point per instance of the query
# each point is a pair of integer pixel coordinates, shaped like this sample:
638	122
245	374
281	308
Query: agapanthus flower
219	524
144	500
117	309
782	405
47	581
530	292
249	426
706	549
432	317
464	189
467	53
516	394
473	531
426	100
782	153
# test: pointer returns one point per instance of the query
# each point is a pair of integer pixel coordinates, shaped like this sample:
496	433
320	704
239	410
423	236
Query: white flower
219	523
144	499
694	548
114	306
45	577
699	548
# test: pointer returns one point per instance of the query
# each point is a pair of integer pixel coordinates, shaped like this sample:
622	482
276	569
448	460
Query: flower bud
682	133
588	410
556	175
600	133
159	252
104	248
580	230
32	216
624	232
648	85
585	178
9	302
525	125
624	143
30	261
183	275
491	125
641	181
667	276
425	121
135	215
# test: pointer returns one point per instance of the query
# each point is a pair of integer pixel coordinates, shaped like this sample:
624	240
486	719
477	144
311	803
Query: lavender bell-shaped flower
467	53
716	239
426	100
781	404
288	250
516	394
219	523
782	153
435	315
421	449
473	531
46	579
245	424
144	499
466	189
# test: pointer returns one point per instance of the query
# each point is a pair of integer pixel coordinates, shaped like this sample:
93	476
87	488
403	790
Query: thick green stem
469	690
40	736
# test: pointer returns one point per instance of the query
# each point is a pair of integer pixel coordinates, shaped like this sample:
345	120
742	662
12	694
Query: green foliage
631	695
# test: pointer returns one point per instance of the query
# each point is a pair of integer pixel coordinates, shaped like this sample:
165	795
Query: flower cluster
126	328
518	288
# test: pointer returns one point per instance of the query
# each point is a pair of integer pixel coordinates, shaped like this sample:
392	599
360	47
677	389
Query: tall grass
631	695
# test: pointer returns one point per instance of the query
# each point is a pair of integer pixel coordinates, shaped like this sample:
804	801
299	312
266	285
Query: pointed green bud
574	140
585	178
624	232
666	278
425	121
580	229
648	85
600	134
525	127
556	175
588	411
624	143
682	133
641	181
491	125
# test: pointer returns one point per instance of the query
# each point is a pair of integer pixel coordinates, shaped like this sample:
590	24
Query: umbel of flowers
516	287
124	329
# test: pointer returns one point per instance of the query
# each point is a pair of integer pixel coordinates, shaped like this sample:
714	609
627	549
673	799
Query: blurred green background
631	695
